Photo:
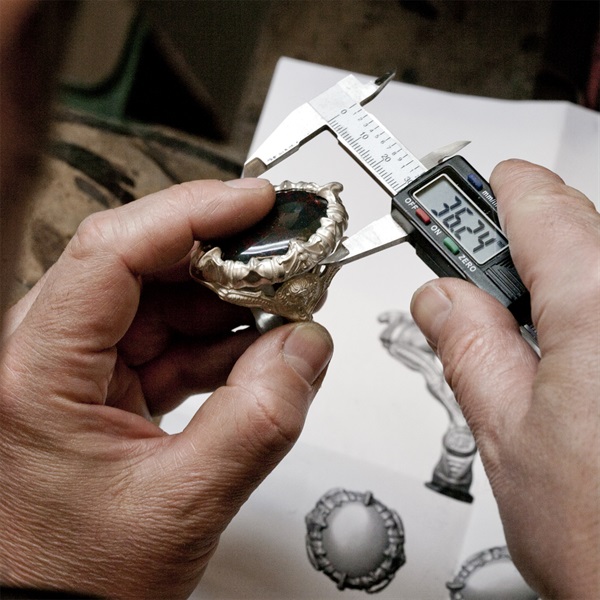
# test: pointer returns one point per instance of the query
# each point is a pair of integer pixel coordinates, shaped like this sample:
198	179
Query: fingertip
217	209
246	201
513	179
308	350
516	167
248	183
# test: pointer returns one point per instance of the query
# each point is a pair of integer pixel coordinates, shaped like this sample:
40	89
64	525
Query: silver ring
283	278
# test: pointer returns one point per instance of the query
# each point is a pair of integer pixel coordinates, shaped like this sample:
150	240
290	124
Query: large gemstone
297	214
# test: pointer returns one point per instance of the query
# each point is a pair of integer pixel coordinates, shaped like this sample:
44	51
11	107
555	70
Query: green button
451	245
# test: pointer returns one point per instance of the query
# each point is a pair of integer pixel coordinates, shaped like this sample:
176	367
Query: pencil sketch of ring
274	266
355	540
506	582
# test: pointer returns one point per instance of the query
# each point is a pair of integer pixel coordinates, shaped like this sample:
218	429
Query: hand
535	421
95	497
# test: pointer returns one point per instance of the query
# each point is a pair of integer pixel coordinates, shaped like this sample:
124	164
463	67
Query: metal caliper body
441	205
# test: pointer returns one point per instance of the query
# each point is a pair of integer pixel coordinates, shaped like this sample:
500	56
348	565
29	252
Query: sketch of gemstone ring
509	585
452	475
274	266
355	540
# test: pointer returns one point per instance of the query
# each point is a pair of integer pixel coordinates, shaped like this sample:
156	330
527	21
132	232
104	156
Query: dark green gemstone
297	214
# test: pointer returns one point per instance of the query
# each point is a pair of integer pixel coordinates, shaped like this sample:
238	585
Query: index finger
93	289
554	236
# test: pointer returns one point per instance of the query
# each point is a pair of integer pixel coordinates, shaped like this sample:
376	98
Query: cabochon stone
297	214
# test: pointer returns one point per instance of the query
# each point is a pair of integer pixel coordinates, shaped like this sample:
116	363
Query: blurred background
204	66
154	92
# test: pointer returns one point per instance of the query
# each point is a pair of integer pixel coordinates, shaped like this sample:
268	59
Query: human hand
535	420
95	497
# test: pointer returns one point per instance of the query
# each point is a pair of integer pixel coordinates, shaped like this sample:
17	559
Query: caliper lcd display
460	218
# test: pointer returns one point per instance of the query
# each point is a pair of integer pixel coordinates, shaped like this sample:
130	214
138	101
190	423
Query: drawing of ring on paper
452	475
500	580
355	540
274	266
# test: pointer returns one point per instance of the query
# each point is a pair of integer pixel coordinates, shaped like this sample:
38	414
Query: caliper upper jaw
365	92
441	154
304	123
296	129
255	167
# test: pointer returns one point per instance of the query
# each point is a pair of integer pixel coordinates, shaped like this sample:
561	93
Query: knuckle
480	362
456	353
93	234
464	353
275	426
192	194
181	193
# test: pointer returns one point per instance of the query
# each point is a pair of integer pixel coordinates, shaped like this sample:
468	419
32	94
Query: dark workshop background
204	66
156	92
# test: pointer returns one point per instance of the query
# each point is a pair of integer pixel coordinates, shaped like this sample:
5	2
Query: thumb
487	363
91	294
246	427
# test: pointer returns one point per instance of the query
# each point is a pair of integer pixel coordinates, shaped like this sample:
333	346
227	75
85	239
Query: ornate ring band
274	266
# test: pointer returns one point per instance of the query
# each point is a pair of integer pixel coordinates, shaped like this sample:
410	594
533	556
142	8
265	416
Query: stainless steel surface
437	156
266	321
305	122
297	128
339	108
375	237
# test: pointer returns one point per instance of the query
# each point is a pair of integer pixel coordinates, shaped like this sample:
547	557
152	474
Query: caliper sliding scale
440	204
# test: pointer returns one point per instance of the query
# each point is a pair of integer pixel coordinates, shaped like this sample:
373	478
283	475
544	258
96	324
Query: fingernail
247	183
308	350
430	309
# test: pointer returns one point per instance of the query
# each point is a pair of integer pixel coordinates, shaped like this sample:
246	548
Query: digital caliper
442	206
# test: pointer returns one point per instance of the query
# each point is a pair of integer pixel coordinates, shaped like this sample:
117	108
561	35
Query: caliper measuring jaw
304	123
309	120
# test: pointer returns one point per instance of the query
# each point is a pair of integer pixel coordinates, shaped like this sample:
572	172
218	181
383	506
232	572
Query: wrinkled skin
536	422
95	497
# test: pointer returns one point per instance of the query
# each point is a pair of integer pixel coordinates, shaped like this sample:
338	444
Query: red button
423	216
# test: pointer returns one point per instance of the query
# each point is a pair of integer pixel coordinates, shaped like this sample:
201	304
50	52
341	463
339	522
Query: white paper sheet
373	425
